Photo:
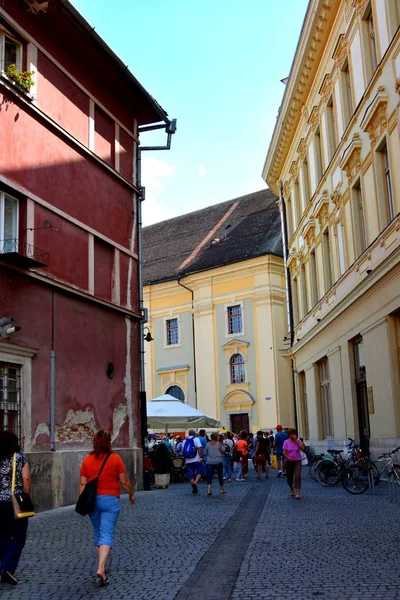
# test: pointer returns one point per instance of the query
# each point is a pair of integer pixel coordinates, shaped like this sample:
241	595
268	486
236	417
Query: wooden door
240	422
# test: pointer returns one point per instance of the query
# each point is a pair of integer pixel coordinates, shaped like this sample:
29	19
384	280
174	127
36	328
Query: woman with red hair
105	515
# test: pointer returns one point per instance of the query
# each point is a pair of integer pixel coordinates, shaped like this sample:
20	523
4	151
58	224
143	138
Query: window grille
172	332
237	369
10	398
235	324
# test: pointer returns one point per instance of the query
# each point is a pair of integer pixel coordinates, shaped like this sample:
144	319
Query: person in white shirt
193	464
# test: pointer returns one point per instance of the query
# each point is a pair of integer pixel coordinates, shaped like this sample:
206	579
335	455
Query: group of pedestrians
213	455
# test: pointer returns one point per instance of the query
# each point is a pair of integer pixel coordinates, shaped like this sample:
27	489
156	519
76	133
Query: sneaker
240	479
224	478
194	488
280	474
229	479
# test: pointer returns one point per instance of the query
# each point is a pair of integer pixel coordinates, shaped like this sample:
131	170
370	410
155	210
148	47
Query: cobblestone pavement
254	542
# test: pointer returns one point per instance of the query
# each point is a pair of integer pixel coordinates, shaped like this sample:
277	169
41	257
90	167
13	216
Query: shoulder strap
14	469
104	464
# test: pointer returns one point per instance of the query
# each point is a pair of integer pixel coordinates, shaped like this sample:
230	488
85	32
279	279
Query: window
370	42
289	217
235	321
10	389
296	203
313	277
303	412
385	184
360	234
347	95
318	155
295	302
331	128
393	15
303	291
341	248
8	223
237	369
10	51
325	398
176	392
172	332
327	257
305	184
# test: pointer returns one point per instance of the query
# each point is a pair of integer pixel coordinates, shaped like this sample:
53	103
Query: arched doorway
176	392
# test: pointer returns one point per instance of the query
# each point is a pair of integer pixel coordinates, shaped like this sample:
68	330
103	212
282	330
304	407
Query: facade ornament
359	6
340	51
337	197
321	209
294	169
313	121
351	161
292	262
326	88
375	120
302	148
286	189
308	233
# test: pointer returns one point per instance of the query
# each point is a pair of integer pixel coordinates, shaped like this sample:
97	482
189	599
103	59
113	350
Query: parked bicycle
359	476
330	470
312	464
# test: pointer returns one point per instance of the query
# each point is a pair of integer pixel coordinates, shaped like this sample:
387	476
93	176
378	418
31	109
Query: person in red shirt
105	515
242	447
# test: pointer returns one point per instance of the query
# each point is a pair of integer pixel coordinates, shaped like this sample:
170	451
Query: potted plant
23	79
162	464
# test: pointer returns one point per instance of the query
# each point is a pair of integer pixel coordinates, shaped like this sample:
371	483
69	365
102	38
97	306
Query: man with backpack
193	454
227	458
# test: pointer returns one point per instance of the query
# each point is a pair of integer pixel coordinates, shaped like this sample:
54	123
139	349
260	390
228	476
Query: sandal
292	492
101	581
223	491
297	496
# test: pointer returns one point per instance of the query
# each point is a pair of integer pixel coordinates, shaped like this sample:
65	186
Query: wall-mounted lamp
7	328
147	337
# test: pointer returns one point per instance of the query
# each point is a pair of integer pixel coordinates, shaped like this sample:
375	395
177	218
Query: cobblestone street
254	542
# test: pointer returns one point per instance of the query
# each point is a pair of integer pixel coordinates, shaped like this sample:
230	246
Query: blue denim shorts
193	469
104	519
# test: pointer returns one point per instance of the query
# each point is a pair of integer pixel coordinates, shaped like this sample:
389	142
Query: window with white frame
303	405
318	155
360	233
303	290
295	301
393	15
238	374
313	278
235	319
346	91
172	332
369	37
331	128
8	223
327	258
289	217
10	51
10	394
325	398
385	188
305	184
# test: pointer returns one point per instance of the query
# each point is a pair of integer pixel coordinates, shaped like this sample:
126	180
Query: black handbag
87	499
237	455
21	501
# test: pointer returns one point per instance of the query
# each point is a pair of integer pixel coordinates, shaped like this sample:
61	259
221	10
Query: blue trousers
104	519
12	537
227	463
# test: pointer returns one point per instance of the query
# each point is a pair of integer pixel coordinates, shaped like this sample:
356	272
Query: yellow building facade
334	159
219	320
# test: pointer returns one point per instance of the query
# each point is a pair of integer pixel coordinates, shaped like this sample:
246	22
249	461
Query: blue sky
216	67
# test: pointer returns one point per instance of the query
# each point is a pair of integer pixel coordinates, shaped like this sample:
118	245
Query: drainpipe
289	299
52	382
193	341
170	129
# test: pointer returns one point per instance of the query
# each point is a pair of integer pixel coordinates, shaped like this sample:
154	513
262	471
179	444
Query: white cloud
154	170
202	169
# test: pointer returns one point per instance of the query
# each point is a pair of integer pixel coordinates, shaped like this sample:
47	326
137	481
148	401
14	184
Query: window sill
16	87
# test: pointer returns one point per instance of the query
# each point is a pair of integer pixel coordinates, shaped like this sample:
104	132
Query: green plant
23	78
161	459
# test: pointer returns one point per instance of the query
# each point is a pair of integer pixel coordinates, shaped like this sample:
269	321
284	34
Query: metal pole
52	382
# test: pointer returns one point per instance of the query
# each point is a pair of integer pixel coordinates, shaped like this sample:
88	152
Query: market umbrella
165	411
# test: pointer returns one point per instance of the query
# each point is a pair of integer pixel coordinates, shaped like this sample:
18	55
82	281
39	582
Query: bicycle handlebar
389	454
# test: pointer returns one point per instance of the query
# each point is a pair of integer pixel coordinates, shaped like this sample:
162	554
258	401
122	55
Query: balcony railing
22	254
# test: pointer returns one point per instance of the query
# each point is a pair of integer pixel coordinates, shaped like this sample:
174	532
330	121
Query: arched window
237	369
176	392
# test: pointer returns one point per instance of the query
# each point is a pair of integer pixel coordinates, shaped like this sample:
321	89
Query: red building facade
68	242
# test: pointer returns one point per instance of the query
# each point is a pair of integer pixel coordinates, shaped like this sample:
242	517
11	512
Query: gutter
178	279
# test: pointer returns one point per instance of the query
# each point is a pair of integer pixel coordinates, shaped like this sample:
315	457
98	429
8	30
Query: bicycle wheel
327	472
311	468
355	479
396	473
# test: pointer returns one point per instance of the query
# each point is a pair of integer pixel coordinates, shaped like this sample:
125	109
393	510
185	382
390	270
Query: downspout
193	341
289	299
52	382
170	129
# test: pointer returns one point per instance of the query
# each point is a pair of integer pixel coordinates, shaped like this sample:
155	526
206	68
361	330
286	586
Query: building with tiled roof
215	292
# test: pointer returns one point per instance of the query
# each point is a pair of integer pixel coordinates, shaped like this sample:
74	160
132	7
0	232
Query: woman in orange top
105	515
242	446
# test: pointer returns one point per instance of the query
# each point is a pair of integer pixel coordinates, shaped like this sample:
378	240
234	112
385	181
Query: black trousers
12	537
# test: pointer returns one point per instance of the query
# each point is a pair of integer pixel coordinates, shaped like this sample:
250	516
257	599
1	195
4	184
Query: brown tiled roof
200	240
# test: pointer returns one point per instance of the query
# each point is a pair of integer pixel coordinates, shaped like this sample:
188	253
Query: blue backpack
189	448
